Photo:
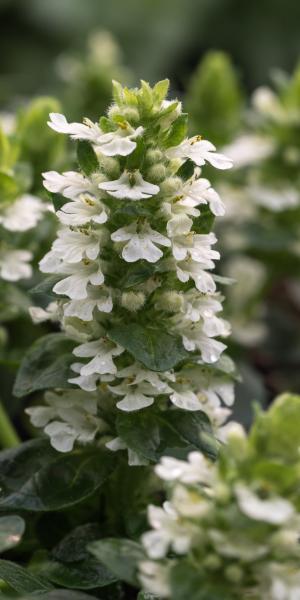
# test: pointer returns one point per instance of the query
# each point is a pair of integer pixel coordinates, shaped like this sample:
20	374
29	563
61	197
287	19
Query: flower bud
212	562
234	573
111	166
132	301
170	301
153	156
156	173
171	185
131	114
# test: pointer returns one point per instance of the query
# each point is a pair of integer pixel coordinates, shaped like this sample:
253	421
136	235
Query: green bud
131	114
156	173
171	185
153	156
111	166
132	301
212	562
234	573
170	301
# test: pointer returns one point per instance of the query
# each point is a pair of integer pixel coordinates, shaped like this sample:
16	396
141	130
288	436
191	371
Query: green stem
8	435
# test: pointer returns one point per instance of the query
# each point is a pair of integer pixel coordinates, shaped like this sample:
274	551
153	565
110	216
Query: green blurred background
158	38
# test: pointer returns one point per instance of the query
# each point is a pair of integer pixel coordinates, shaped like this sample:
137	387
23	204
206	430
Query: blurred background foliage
216	53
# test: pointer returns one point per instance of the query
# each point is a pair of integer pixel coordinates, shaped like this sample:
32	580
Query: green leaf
57	200
160	90
187	583
204	223
21	580
46	286
120	555
67	595
28	474
86	156
117	92
45	365
11	530
175	433
83	575
177	131
186	170
147	596
72	547
155	348
105	124
137	273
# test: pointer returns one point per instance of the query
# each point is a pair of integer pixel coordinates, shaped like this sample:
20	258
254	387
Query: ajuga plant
25	147
134	370
230	529
214	99
131	264
265	190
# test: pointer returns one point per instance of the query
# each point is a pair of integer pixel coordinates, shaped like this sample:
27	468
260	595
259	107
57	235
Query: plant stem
8	435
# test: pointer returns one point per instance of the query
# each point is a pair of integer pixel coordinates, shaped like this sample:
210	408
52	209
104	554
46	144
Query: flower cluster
231	528
133	259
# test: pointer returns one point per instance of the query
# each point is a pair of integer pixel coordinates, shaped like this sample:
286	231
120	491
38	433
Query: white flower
69	417
193	339
135	397
137	374
79	276
200	151
88	383
273	510
131	186
14	264
197	246
84	309
118	142
167	532
73	246
200	191
70	184
102	351
196	469
189	269
84	209
186	399
22	214
142	242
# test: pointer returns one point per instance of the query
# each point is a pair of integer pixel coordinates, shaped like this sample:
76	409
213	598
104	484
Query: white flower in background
196	469
200	151
275	199
265	102
141	244
23	213
120	142
102	351
167	532
135	397
84	309
67	417
155	578
14	264
131	186
249	149
272	510
50	313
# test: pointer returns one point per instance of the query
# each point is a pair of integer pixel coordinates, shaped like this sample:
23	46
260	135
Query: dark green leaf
204	223
146	596
195	429
83	575
187	583
137	273
22	580
35	477
45	287
177	131
72	547
155	348
9	188
121	556
58	201
86	157
186	170
45	365
12	528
